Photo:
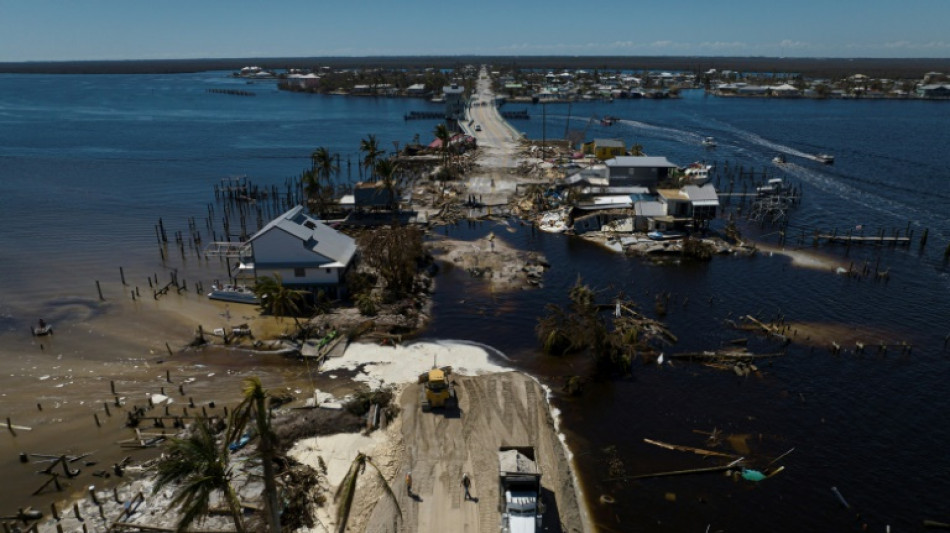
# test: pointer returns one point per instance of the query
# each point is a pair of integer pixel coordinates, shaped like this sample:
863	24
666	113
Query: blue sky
37	30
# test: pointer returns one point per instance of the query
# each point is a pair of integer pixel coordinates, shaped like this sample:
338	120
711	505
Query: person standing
467	483
409	483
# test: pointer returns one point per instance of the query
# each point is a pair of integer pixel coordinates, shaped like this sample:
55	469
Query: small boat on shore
239	294
697	173
709	142
666	235
41	329
825	158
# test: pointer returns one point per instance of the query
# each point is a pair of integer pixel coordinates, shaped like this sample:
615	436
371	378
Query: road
499	146
507	408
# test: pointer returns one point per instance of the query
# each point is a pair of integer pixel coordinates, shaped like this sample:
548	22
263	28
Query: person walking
467	483
409	483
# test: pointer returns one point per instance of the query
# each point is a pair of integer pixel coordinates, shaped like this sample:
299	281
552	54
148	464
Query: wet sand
58	384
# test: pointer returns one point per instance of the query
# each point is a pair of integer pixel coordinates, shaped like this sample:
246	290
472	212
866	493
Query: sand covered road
507	408
496	407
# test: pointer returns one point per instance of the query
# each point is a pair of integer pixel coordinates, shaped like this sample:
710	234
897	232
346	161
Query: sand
497	407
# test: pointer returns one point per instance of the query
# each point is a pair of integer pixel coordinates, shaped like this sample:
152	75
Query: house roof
640	162
316	236
609	143
698	193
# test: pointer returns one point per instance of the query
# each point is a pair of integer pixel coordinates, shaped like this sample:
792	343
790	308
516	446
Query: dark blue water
89	163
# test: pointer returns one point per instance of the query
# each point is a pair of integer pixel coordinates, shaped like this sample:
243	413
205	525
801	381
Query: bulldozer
436	390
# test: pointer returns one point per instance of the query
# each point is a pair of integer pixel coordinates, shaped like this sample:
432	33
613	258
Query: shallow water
88	164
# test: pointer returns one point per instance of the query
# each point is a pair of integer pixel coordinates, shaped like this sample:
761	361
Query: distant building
934	91
306	253
638	171
604	149
454	102
418	90
373	195
692	203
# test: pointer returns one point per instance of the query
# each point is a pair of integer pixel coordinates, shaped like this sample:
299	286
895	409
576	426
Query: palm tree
200	467
370	147
323	164
255	405
348	489
443	134
317	183
277	299
388	171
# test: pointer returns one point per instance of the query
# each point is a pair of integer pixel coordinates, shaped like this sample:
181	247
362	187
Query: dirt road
496	409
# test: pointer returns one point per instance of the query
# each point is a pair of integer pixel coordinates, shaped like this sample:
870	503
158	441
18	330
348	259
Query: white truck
520	491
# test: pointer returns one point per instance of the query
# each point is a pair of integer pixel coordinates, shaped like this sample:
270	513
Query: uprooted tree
614	334
396	255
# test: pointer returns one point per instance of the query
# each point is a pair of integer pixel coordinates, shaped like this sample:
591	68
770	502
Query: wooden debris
698	451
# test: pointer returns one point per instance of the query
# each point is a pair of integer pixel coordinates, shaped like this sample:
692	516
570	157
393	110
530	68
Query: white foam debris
403	364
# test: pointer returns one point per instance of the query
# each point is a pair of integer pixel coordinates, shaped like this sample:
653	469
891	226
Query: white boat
779	159
233	293
697	174
553	221
665	235
826	159
709	142
772	187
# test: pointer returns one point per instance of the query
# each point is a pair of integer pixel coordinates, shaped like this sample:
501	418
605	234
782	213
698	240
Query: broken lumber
698	451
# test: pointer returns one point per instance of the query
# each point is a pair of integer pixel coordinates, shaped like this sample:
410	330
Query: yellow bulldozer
436	391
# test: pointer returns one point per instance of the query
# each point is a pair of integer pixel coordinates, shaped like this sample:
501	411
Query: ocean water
88	165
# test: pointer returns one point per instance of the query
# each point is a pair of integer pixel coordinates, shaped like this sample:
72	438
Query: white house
306	253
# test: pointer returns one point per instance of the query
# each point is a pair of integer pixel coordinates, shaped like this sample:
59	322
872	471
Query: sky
63	30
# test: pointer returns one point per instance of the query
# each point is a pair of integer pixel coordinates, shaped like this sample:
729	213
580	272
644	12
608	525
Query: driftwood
724	355
699	451
707	470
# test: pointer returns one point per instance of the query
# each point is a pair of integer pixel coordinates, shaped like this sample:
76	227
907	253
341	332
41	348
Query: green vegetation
613	335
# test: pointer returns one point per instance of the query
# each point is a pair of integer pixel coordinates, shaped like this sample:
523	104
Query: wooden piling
55	511
106	405
10	427
112	387
168	376
96	417
92	495
76	512
122	276
99	289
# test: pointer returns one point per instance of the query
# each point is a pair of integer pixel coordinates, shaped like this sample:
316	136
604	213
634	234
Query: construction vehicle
520	491
436	390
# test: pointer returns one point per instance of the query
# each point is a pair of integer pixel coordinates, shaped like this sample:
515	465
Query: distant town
563	85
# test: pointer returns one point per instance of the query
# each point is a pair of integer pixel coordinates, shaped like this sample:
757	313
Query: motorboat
779	159
709	142
239	294
666	235
697	173
774	186
826	159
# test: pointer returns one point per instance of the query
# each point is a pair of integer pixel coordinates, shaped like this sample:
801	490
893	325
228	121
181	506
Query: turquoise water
88	164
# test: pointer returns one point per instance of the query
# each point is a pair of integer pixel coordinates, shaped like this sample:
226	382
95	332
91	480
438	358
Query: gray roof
316	236
640	162
704	195
609	143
